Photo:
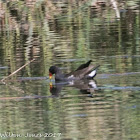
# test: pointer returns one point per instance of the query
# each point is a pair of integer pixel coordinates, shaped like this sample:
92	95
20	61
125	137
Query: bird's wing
81	73
84	65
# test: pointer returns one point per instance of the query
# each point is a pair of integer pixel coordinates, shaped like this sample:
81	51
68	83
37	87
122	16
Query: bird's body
84	71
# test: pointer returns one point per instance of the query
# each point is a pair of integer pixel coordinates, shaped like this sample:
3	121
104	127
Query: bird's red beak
50	75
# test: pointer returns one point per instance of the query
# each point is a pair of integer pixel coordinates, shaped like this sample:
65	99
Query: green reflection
67	34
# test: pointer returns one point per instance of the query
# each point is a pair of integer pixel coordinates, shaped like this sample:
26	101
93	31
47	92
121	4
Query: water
68	34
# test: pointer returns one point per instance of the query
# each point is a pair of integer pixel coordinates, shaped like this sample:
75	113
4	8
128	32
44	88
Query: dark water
68	33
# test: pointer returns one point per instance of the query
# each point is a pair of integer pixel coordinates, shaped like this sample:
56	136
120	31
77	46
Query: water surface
68	34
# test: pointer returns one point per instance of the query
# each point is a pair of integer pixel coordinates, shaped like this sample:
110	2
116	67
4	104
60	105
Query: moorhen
84	71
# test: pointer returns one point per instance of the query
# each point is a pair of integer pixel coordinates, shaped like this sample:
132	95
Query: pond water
67	34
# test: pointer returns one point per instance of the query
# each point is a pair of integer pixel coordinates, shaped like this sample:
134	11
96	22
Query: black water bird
84	71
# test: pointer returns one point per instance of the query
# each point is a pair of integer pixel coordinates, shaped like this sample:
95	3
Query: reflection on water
75	111
70	111
67	34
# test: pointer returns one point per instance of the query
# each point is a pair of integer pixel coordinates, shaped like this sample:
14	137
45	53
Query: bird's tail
93	73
